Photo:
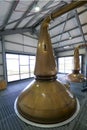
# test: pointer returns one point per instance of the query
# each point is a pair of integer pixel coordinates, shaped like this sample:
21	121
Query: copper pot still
76	76
46	101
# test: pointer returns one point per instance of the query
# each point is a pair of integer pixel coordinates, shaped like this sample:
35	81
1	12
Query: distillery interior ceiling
25	17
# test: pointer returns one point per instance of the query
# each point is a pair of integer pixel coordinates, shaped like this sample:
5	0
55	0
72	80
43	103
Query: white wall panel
68	53
0	58
0	47
18	38
1	78
1	70
30	50
13	47
30	41
1	63
20	43
86	37
19	48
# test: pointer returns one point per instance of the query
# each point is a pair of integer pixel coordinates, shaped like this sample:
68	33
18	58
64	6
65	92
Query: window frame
27	64
64	72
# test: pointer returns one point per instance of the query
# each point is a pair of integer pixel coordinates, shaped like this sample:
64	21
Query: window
24	66
19	66
12	67
65	64
32	65
61	65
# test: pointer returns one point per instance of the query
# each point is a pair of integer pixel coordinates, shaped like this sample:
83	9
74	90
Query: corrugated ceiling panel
23	5
70	24
4	9
57	21
68	42
55	2
65	36
42	3
83	17
75	32
57	30
72	33
84	29
10	26
62	18
55	39
20	9
37	17
75	40
25	21
81	9
15	16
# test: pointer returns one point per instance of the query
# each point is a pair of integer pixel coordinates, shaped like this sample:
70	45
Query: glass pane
66	64
24	69
61	65
80	58
12	56
12	67
32	65
23	76
19	66
32	62
32	57
31	68
32	75
24	60
13	78
61	60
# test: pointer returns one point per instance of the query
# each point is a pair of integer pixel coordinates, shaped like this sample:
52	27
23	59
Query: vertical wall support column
4	59
86	62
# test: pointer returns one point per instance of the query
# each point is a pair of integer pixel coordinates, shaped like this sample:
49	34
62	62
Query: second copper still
76	76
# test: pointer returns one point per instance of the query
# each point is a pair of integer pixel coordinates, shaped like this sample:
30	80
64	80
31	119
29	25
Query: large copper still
46	100
76	76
